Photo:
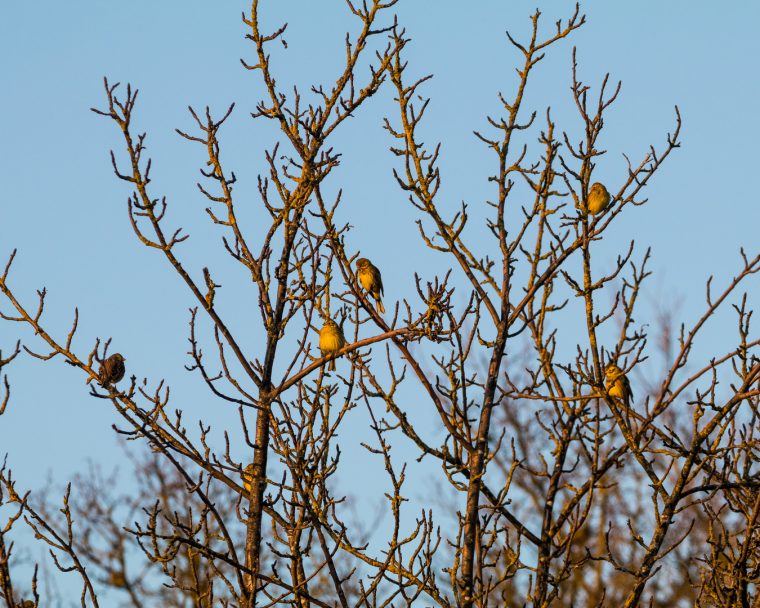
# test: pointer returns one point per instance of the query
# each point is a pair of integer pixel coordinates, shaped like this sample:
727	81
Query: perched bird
117	578
598	198
369	277
331	340
617	384
111	370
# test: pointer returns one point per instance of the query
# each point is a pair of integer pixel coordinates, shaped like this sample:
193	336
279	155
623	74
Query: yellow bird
331	340
598	198
617	385
370	279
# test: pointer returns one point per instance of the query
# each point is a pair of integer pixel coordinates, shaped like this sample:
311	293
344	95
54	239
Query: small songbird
117	579
598	198
617	385
330	340
111	370
369	277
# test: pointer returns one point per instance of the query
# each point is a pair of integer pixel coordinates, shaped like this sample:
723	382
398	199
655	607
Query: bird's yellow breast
597	201
366	278
617	389
330	339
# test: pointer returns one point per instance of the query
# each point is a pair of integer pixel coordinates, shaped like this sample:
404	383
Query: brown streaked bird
331	340
617	385
598	198
370	278
111	370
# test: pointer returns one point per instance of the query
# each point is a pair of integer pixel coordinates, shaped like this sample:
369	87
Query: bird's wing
379	278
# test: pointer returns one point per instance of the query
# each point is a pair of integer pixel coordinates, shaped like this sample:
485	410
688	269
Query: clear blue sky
61	206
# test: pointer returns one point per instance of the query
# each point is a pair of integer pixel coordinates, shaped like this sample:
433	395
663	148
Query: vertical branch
6	584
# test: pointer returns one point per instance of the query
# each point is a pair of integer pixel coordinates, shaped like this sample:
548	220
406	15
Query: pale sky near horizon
64	210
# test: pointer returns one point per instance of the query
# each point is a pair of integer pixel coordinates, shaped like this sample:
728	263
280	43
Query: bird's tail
380	307
331	366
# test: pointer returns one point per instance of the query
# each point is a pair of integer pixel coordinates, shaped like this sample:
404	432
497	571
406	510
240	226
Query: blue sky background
62	207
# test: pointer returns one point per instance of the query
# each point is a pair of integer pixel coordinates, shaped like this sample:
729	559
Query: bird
598	198
111	370
370	279
331	340
117	578
617	385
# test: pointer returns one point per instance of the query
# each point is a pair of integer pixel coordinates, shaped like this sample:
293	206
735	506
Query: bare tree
553	487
